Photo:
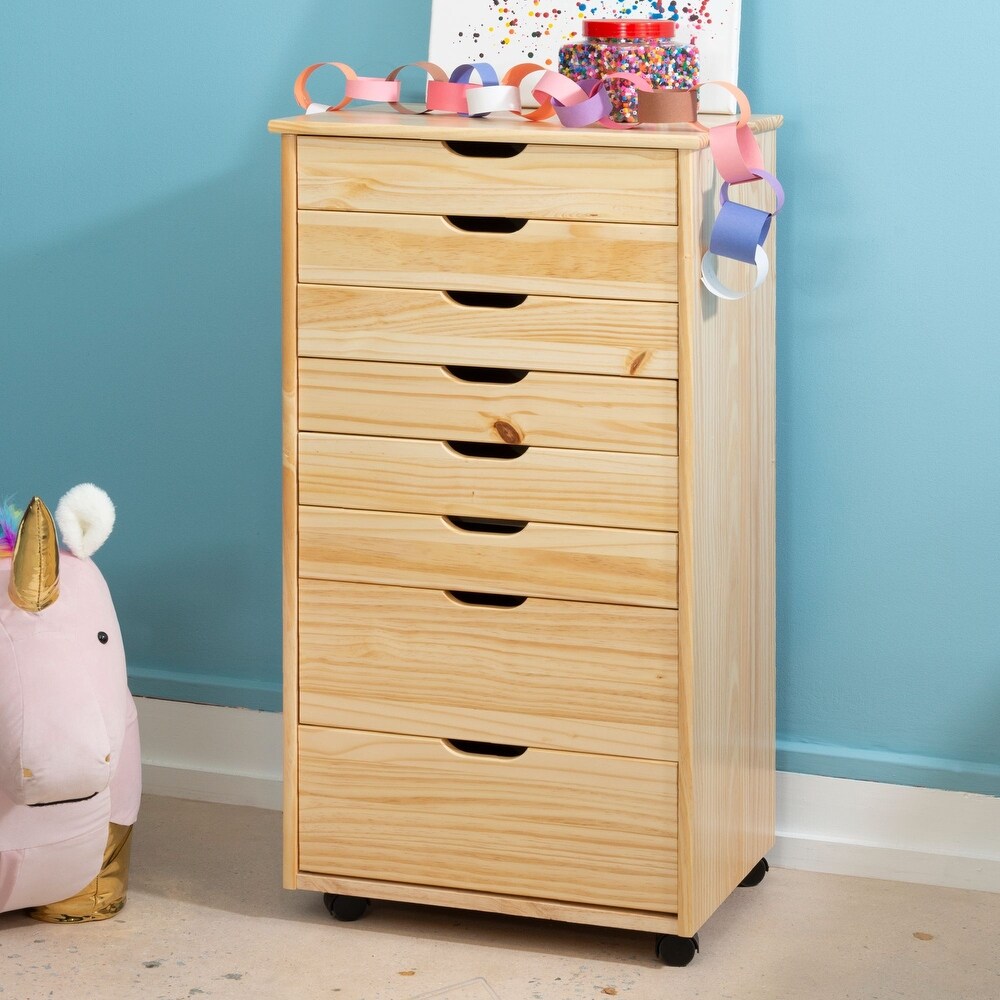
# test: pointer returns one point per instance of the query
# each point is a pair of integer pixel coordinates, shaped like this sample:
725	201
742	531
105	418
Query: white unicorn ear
85	516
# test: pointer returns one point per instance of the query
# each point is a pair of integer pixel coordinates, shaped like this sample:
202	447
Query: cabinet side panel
290	500
726	559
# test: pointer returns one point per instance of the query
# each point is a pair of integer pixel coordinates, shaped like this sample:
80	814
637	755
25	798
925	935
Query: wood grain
587	259
543	333
368	261
562	675
491	902
576	827
290	506
544	409
380	122
431	178
603	565
561	485
727	598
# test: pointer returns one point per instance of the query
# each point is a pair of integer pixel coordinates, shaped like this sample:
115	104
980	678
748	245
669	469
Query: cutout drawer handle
474	747
493	150
477	373
474	598
486	224
487	300
487	525
486	449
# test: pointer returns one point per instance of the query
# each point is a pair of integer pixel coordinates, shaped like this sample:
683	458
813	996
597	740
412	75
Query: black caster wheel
345	908
756	875
676	951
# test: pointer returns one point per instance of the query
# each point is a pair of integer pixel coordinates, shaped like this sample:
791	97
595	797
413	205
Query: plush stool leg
105	895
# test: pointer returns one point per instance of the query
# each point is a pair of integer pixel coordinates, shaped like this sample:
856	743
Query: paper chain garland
739	232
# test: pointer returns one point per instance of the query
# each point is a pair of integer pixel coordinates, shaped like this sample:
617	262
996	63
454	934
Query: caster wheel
345	908
676	951
757	874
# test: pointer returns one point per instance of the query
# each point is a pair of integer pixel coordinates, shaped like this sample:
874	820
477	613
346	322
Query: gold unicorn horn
34	572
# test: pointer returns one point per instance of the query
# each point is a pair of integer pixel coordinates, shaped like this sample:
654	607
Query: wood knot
637	362
508	432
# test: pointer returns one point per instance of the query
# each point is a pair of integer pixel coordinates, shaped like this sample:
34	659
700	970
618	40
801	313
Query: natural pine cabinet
528	524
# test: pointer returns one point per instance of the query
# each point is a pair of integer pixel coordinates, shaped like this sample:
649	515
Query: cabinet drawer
537	332
488	178
548	409
603	565
589	259
565	675
547	824
493	480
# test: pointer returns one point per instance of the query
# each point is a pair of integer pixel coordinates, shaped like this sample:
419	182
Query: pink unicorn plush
70	775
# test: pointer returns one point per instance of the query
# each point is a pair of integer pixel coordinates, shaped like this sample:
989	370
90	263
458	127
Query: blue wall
889	391
139	303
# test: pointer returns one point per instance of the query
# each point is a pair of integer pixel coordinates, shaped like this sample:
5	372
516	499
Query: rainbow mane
10	518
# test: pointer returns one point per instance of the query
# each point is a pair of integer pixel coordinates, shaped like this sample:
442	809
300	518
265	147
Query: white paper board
507	32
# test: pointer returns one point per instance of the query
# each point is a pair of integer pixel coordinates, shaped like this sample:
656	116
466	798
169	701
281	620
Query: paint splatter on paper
535	29
507	32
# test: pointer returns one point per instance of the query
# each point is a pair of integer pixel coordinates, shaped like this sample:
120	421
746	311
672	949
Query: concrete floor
207	918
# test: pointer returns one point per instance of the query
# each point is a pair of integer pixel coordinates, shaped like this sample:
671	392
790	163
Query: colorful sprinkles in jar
631	46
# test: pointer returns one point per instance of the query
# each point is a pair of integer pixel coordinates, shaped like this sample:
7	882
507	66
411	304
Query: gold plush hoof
105	895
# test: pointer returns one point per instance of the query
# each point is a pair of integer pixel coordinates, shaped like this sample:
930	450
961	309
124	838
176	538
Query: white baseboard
897	832
211	754
838	825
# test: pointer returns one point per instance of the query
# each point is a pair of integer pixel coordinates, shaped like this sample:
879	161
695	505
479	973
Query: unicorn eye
102	638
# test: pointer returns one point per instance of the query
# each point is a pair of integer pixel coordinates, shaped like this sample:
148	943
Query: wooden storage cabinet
528	539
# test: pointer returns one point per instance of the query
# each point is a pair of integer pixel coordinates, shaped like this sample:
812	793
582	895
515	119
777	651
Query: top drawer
432	177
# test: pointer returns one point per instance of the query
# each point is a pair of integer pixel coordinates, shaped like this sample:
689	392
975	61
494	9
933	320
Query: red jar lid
629	29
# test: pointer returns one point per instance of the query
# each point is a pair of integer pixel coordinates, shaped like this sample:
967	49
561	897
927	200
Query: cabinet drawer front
538	182
559	674
538	484
548	824
547	409
539	332
589	259
603	565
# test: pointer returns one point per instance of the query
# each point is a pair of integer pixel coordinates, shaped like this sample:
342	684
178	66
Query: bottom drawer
547	824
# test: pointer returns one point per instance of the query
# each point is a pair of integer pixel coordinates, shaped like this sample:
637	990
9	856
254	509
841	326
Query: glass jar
631	46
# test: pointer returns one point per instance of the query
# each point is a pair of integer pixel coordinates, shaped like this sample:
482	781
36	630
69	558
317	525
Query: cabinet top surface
505	127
